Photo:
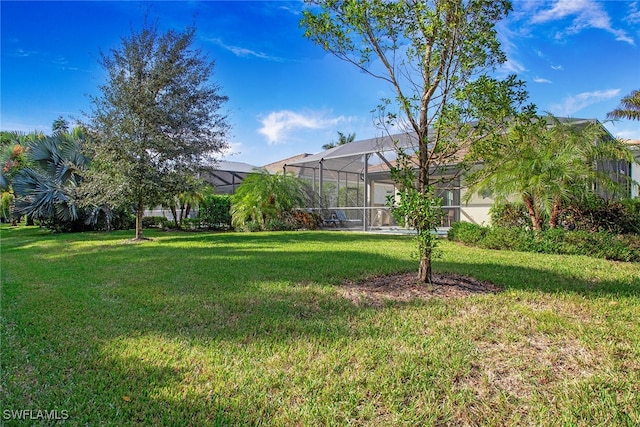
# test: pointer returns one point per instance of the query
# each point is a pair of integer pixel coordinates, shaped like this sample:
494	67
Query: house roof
228	174
277	166
347	157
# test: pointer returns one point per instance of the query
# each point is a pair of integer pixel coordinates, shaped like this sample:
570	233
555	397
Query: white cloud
633	17
512	66
586	14
278	125
573	104
541	80
243	52
557	67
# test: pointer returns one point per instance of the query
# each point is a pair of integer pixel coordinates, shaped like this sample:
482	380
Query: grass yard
251	329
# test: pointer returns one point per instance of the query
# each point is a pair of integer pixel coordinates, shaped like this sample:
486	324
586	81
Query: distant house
353	181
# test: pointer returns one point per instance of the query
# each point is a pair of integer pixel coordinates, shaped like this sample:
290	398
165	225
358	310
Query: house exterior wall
635	176
476	210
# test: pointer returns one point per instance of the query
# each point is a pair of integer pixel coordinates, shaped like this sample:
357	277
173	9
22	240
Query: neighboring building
353	181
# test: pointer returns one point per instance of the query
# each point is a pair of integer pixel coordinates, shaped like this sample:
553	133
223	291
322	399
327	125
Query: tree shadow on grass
542	280
125	341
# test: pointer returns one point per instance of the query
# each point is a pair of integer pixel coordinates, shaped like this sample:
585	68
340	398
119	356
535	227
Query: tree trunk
139	213
536	221
424	271
174	214
555	213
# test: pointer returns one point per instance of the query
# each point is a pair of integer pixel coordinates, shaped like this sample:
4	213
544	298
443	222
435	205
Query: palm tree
629	107
342	140
262	197
546	163
45	189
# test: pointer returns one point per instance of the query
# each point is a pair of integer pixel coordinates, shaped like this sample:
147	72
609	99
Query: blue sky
286	95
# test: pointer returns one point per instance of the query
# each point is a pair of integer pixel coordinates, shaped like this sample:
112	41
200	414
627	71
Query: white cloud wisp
278	125
573	104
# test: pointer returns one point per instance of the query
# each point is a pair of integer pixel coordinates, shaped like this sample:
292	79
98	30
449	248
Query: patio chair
342	218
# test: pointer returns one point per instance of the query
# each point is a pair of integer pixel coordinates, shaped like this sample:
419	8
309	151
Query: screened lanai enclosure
351	184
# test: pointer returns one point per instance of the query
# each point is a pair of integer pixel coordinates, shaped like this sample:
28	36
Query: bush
601	244
510	215
155	222
466	232
215	212
598	214
302	220
278	224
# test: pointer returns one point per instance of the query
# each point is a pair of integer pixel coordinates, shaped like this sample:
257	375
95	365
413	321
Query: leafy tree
60	125
342	140
156	123
629	107
47	187
263	197
434	54
547	163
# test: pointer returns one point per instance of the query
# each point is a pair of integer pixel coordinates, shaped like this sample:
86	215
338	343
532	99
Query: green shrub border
599	244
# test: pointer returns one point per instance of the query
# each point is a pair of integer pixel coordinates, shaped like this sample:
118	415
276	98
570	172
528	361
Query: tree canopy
157	121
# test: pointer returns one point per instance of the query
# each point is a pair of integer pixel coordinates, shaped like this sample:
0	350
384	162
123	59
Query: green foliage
598	214
215	211
46	189
342	140
266	200
510	215
435	56
156	123
629	107
547	164
466	232
600	244
160	222
418	208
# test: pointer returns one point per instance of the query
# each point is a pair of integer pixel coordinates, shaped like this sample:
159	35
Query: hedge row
600	244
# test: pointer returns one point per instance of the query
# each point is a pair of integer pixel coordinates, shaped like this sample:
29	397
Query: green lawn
250	329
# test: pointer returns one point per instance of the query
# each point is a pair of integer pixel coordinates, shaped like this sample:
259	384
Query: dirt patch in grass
376	290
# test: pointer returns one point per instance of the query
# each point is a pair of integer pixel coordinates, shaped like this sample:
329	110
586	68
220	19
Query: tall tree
432	53
342	140
157	122
629	107
547	163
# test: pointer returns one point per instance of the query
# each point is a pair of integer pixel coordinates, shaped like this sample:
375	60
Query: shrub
511	215
155	222
215	212
466	232
302	220
600	244
513	239
598	214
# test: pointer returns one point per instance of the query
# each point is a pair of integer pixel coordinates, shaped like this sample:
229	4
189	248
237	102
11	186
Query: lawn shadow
541	280
119	331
